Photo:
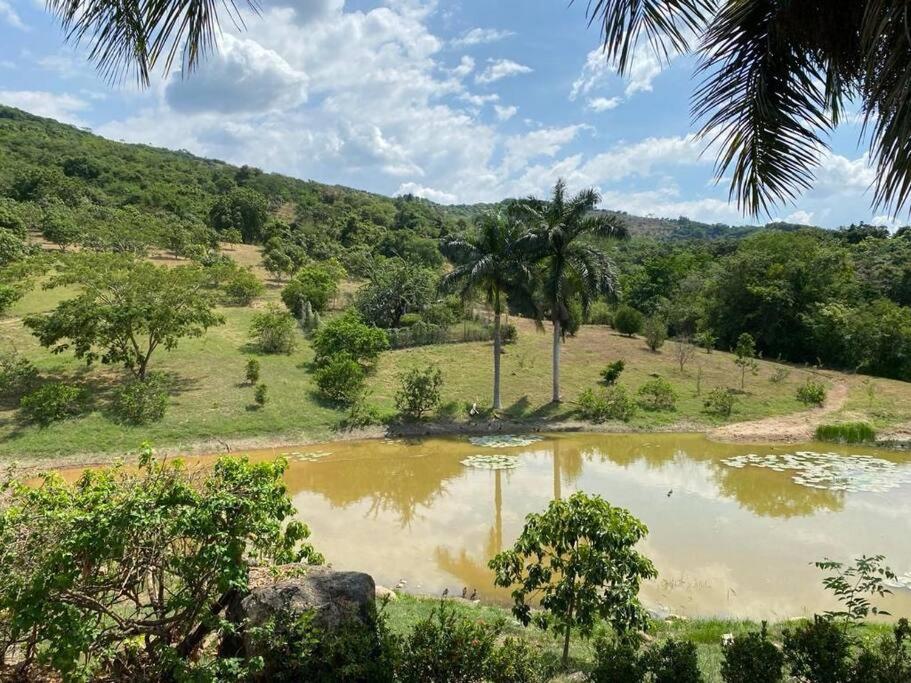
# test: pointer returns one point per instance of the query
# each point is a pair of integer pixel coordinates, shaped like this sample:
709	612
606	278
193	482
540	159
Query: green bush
890	660
261	394
53	402
673	661
599	313
241	286
812	393
611	373
617	661
627	321
350	335
509	333
819	651
142	401
444	313
410	319
611	403
273	330
706	340
251	373
752	658
341	379
846	432
655	332
419	392
719	402
361	413
657	394
516	661
316	283
18	375
780	375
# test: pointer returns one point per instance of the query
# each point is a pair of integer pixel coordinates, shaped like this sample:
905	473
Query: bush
599	313
341	379
890	661
251	374
812	393
509	333
410	319
611	373
819	651
273	330
846	432
628	321
53	402
241	286
419	392
612	403
316	283
515	661
444	313
706	340
780	375
655	333
447	647
142	401
719	402
673	662
361	413
350	335
261	394
18	375
657	394
752	658
617	661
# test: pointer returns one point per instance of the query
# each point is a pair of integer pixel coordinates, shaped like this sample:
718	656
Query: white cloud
544	142
600	104
427	193
10	16
504	113
480	36
501	68
59	106
465	67
643	68
800	217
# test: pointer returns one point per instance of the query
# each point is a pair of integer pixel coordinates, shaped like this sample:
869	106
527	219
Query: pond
733	528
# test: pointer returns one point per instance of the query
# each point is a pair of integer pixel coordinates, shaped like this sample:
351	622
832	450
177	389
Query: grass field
212	404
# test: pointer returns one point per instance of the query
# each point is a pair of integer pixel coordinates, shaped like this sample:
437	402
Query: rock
383	593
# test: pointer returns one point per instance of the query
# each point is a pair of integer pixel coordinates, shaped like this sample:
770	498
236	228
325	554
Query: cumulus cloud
800	217
59	106
501	68
433	195
644	67
10	16
480	36
504	113
465	67
600	104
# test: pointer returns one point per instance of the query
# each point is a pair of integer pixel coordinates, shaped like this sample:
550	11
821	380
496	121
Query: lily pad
491	462
311	456
505	440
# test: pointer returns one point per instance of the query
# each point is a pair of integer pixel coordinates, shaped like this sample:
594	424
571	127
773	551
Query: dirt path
784	428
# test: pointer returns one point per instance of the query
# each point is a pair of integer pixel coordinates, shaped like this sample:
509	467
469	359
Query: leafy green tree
125	309
570	266
341	379
655	332
580	557
241	210
317	283
12	247
745	357
628	321
419	392
59	227
488	262
395	287
348	334
251	371
273	330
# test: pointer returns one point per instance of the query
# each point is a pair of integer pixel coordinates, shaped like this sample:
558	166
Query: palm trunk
556	363
496	360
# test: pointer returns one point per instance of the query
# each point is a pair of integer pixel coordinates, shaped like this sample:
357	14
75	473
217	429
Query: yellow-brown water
727	541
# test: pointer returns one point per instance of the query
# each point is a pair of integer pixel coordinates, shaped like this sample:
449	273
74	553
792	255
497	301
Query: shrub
617	661
655	333
241	286
890	661
273	330
846	432
706	340
316	283
350	335
780	375
447	647
719	402
261	394
752	658
251	374
419	392
515	661
52	402
18	375
812	392
410	319
599	313
612	403
509	333
745	357
142	401
627	321
341	378
361	413
444	313
673	661
611	373
818	651
657	394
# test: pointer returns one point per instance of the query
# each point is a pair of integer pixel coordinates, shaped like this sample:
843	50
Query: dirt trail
787	428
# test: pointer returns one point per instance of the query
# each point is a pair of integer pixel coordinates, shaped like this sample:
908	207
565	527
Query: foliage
509	333
846	432
812	392
516	661
348	334
361	413
657	394
752	658
674	661
780	375
628	321
241	286
125	575
818	651
611	372
419	392
394	288
12	247
241	210
341	379
579	558
251	371
617	661
273	330
125	310
261	394
18	375
890	662
52	402
655	332
853	584
317	283
141	401
610	403
59	226
745	357
719	402
599	313
706	340
684	351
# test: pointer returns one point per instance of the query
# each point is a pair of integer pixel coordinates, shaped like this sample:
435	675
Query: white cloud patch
800	218
465	67
504	113
643	68
600	104
10	16
59	106
498	69
481	36
427	193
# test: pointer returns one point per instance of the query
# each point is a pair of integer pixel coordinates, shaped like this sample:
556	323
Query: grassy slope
211	403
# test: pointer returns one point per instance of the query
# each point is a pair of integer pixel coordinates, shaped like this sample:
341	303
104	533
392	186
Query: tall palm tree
486	261
571	266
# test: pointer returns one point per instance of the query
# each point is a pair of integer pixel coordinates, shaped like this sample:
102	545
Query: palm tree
488	262
571	267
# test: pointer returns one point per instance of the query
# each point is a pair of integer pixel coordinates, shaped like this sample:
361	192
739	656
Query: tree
241	210
745	357
655	332
126	309
348	334
684	351
317	283
570	267
628	321
419	391
395	288
488	262
273	330
580	557
778	76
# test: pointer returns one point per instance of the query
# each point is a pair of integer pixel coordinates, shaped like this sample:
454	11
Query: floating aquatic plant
830	471
504	440
311	456
491	462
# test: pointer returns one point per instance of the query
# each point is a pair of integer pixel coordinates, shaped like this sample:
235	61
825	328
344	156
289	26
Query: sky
459	102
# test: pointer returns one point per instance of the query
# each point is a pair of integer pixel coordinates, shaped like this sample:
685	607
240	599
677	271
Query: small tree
341	379
628	321
273	330
580	556
349	334
655	332
261	394
745	353
252	371
316	283
706	340
684	351
419	392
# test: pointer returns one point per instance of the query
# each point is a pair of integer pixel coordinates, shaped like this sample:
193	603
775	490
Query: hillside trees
395	287
242	210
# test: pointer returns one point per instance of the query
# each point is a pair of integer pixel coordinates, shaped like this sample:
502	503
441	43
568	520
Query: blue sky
456	101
